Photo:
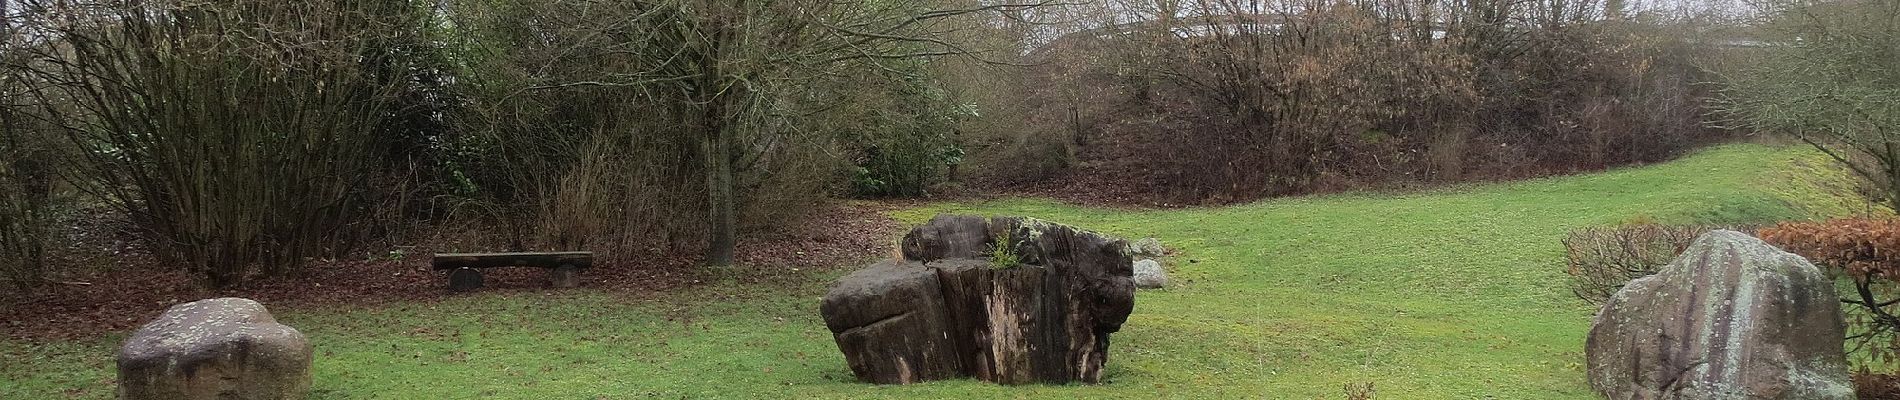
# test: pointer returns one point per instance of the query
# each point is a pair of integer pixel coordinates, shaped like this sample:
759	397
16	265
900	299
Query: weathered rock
225	348
949	236
889	319
1147	247
1150	275
1731	318
945	310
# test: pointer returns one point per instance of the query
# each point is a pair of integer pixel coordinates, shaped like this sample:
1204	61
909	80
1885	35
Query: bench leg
465	279
565	276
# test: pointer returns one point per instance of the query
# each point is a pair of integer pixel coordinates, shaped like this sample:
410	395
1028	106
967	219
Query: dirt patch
1870	386
125	287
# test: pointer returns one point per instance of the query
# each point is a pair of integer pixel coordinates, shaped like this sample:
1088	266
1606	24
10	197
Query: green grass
1453	293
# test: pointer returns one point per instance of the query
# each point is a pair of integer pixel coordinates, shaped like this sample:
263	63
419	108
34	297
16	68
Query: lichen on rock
1732	317
224	348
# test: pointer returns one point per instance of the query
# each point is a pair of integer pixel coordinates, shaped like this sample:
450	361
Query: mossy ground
1451	293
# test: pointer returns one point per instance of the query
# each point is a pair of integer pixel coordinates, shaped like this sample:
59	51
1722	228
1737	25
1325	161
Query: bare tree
1829	77
1291	84
740	80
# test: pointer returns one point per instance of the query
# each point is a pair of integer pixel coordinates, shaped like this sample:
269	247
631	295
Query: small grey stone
1150	275
1147	247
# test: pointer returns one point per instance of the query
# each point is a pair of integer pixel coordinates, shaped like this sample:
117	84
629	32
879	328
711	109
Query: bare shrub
1288	101
667	123
1219	101
27	175
25	169
26	179
1595	94
1602	260
238	134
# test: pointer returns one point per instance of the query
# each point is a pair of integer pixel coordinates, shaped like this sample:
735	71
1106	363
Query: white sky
1728	8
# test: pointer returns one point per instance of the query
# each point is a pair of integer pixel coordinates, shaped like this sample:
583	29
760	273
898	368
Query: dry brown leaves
1865	248
133	289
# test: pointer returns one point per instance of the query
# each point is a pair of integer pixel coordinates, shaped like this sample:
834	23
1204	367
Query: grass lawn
1454	293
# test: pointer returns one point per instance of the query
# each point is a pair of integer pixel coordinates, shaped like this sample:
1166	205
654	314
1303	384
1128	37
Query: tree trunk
1892	166
1893	200
947	309
1893	186
720	196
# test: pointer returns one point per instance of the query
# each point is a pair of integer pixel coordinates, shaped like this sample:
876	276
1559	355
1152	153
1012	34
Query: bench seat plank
577	259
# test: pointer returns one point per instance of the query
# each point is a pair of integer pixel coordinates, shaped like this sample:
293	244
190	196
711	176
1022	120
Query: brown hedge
1863	248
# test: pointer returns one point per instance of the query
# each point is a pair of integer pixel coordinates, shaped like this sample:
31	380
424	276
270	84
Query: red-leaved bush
1867	251
1863	248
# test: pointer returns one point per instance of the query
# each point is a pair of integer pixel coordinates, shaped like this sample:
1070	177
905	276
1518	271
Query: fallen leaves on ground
129	288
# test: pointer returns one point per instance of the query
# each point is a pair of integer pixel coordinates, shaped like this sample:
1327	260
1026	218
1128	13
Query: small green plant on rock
1001	256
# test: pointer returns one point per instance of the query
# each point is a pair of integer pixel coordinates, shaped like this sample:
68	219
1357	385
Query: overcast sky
1693	7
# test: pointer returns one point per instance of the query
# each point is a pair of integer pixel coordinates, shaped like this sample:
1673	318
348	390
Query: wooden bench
465	268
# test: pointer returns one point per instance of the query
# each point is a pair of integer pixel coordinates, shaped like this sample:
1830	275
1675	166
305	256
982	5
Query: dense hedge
1866	251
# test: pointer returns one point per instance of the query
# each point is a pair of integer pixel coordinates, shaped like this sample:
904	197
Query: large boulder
1731	318
223	349
947	308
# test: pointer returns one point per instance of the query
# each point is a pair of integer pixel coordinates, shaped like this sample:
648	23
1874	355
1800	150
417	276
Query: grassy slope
1455	293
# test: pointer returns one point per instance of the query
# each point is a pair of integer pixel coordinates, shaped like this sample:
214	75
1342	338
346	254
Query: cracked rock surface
949	308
